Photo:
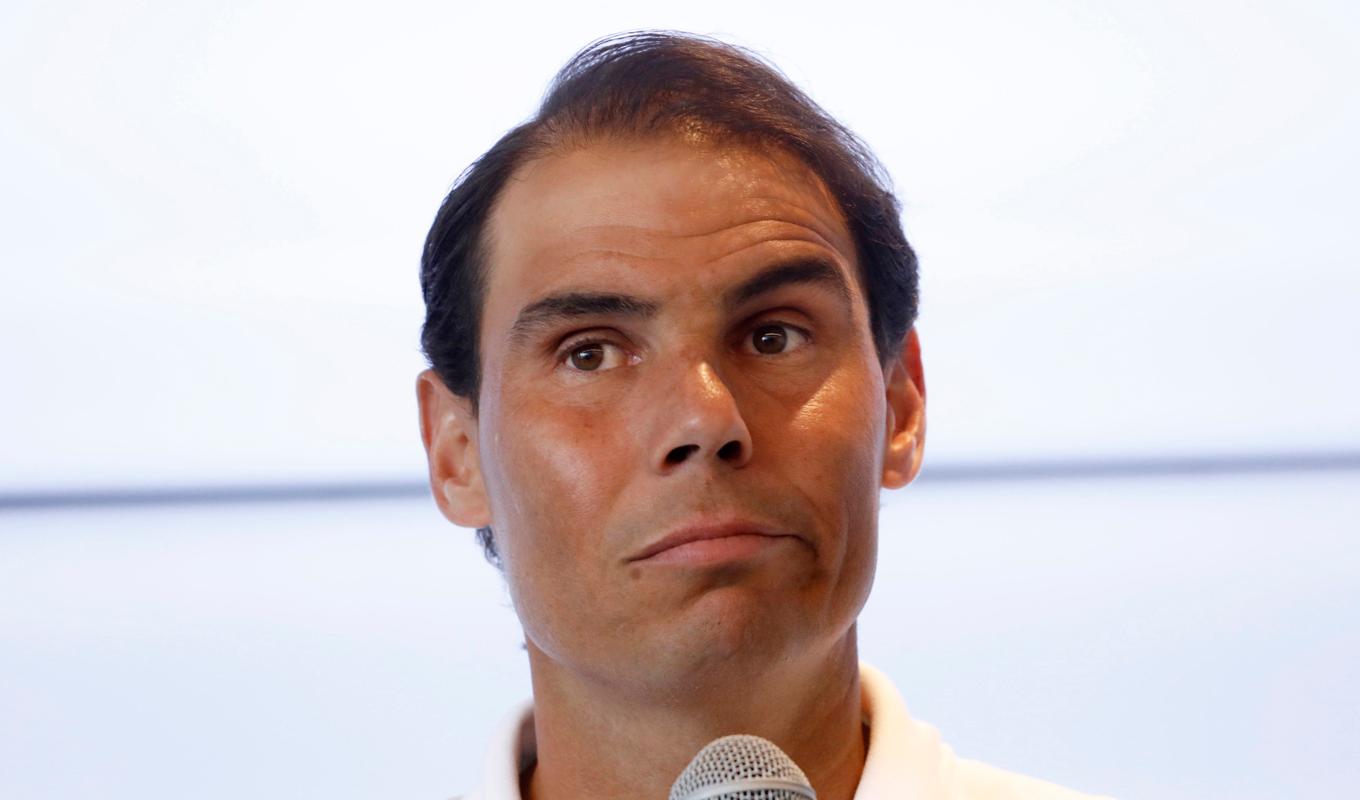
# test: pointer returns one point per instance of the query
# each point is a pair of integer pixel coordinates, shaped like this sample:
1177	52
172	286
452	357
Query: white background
1137	232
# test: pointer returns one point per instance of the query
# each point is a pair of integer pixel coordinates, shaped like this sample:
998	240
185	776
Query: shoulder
909	757
979	781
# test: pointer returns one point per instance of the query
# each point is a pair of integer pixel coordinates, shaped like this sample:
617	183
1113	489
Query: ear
904	444
449	430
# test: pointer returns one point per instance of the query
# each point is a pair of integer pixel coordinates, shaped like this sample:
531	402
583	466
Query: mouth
712	542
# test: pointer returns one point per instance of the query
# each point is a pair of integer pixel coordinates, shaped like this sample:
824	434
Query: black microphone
742	767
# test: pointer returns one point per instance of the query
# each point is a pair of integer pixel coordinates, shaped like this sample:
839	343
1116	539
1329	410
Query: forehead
658	217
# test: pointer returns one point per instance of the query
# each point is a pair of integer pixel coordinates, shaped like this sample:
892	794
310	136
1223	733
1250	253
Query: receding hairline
558	146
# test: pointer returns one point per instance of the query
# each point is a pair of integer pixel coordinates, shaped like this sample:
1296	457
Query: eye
592	356
774	338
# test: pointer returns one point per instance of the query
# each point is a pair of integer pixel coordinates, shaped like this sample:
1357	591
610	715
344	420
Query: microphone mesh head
719	770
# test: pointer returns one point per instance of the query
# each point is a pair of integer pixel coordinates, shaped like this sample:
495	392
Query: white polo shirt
906	759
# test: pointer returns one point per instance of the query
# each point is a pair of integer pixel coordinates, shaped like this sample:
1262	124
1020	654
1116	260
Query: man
670	327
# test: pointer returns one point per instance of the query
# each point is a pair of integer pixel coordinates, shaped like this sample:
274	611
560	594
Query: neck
597	741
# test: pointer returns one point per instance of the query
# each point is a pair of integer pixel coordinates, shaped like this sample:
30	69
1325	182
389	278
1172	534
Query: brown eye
777	339
770	339
594	355
588	358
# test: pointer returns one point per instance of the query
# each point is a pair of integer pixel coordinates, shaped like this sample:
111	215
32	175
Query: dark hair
654	83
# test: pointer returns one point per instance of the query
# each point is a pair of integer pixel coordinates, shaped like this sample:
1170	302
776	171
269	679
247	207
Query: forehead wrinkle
653	246
677	229
787	192
754	241
812	218
788	185
769	213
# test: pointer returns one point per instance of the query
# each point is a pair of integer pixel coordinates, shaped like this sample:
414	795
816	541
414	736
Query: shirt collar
906	757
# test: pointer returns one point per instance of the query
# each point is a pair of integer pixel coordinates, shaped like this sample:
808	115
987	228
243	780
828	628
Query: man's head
679	296
649	85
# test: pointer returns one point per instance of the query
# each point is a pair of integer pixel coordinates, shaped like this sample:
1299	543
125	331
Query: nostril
680	453
730	450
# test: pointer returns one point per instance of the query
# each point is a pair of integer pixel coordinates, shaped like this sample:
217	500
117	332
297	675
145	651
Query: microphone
742	767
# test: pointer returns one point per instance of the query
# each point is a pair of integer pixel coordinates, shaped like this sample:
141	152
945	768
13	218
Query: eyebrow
817	271
556	308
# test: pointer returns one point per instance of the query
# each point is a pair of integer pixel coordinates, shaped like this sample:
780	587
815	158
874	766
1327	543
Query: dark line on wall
1182	466
212	495
962	472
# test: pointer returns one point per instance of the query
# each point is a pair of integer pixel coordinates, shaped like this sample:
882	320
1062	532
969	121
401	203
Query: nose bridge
699	375
701	418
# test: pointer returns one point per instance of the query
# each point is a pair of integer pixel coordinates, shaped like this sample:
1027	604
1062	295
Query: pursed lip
700	531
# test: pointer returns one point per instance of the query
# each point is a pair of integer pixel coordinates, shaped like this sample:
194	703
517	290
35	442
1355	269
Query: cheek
551	475
841	428
553	488
840	436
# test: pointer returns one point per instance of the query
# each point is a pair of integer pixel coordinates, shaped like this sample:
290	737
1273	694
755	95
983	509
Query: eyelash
564	354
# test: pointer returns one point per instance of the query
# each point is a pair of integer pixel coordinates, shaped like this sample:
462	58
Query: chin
727	630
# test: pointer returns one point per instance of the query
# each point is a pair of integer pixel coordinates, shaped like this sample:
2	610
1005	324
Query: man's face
639	378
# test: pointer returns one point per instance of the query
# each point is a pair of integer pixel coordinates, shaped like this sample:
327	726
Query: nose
701	422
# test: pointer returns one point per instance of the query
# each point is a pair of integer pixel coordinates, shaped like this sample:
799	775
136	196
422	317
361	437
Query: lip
704	531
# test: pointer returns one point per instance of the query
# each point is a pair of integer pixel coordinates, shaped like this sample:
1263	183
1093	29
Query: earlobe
905	435
448	430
